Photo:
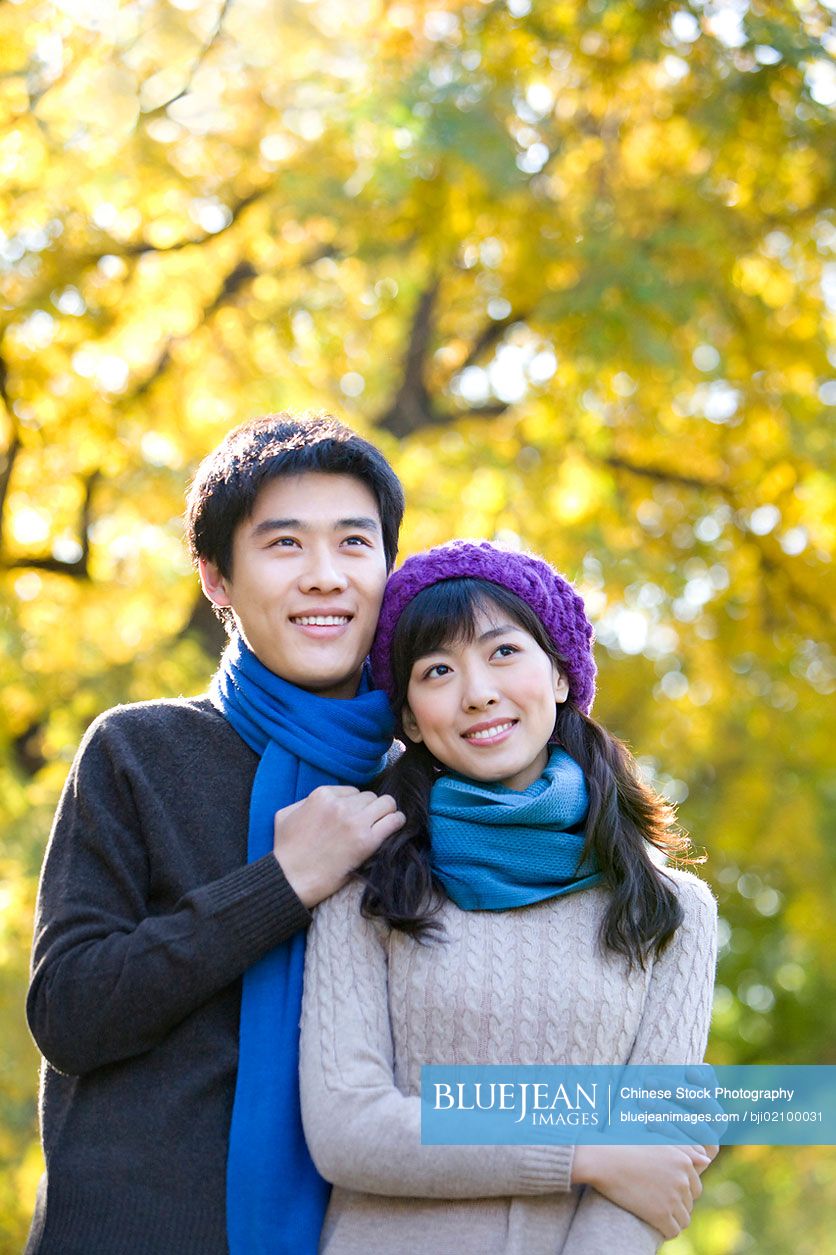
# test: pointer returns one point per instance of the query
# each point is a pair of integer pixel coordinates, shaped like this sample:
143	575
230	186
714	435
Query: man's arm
111	976
109	979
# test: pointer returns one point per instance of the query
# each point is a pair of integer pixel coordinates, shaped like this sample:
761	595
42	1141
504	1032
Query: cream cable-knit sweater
523	986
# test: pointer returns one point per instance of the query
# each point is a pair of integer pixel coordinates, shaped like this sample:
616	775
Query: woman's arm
673	1029
657	1185
363	1133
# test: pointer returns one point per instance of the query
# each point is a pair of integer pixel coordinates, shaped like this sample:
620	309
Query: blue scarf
495	848
276	1199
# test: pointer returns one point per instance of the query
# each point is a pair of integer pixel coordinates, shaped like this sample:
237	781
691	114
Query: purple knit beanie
552	598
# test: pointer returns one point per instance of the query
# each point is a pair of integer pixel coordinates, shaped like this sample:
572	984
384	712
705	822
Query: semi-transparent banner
515	1105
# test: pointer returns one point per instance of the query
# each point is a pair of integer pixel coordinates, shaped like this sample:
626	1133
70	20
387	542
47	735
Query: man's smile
323	625
320	620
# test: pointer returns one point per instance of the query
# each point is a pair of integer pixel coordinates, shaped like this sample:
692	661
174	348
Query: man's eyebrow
279	525
363	523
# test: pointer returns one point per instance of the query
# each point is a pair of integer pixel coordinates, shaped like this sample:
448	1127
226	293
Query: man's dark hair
228	480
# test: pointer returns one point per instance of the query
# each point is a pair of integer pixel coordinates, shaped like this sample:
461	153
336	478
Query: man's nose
322	572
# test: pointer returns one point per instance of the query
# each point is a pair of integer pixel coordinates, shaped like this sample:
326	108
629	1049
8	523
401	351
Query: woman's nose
479	693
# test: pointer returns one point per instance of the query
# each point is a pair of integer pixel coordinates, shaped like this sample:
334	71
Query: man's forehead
316	500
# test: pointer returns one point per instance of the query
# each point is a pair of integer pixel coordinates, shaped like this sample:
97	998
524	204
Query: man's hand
319	841
659	1184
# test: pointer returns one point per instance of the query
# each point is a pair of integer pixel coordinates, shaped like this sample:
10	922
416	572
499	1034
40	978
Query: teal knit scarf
495	848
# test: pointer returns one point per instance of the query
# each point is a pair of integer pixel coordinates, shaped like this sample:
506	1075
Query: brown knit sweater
527	986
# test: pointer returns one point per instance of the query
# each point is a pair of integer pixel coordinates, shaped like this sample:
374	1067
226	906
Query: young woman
520	916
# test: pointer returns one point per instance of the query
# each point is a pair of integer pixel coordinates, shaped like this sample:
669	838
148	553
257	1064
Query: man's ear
561	687
214	584
410	727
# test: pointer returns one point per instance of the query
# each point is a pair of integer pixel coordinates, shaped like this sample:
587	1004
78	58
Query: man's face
308	572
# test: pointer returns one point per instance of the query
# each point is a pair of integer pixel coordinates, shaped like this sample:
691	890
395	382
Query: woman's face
486	708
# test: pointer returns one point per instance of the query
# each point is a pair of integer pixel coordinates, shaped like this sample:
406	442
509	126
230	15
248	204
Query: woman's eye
506	651
438	669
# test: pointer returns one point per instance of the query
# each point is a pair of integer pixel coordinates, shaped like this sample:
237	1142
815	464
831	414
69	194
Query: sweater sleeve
673	1029
364	1134
110	977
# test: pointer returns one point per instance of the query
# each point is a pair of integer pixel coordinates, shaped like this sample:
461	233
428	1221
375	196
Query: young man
192	839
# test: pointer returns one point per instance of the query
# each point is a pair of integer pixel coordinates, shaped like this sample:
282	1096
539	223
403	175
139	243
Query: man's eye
358	540
283	542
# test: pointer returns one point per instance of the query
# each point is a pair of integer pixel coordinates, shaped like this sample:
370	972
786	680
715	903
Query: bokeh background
572	266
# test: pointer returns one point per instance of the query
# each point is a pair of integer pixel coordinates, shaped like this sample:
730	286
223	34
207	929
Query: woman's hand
656	1183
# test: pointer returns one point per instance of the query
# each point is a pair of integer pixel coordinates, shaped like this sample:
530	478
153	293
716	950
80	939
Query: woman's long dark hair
625	816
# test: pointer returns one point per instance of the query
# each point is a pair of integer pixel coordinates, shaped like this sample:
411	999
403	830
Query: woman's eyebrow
499	631
427	653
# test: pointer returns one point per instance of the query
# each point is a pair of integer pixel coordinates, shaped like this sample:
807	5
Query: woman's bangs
445	614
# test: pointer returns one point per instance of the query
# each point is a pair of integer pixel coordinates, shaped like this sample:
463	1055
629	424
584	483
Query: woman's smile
489	734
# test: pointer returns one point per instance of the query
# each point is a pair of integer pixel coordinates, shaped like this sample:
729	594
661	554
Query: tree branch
7	458
230	286
196	64
232	283
663	475
240	275
488	336
28	749
776	570
419	341
7	462
412	407
772	568
86	518
140	247
491	410
77	569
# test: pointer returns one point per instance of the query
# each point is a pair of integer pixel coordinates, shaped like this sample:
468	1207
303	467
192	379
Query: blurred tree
572	265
